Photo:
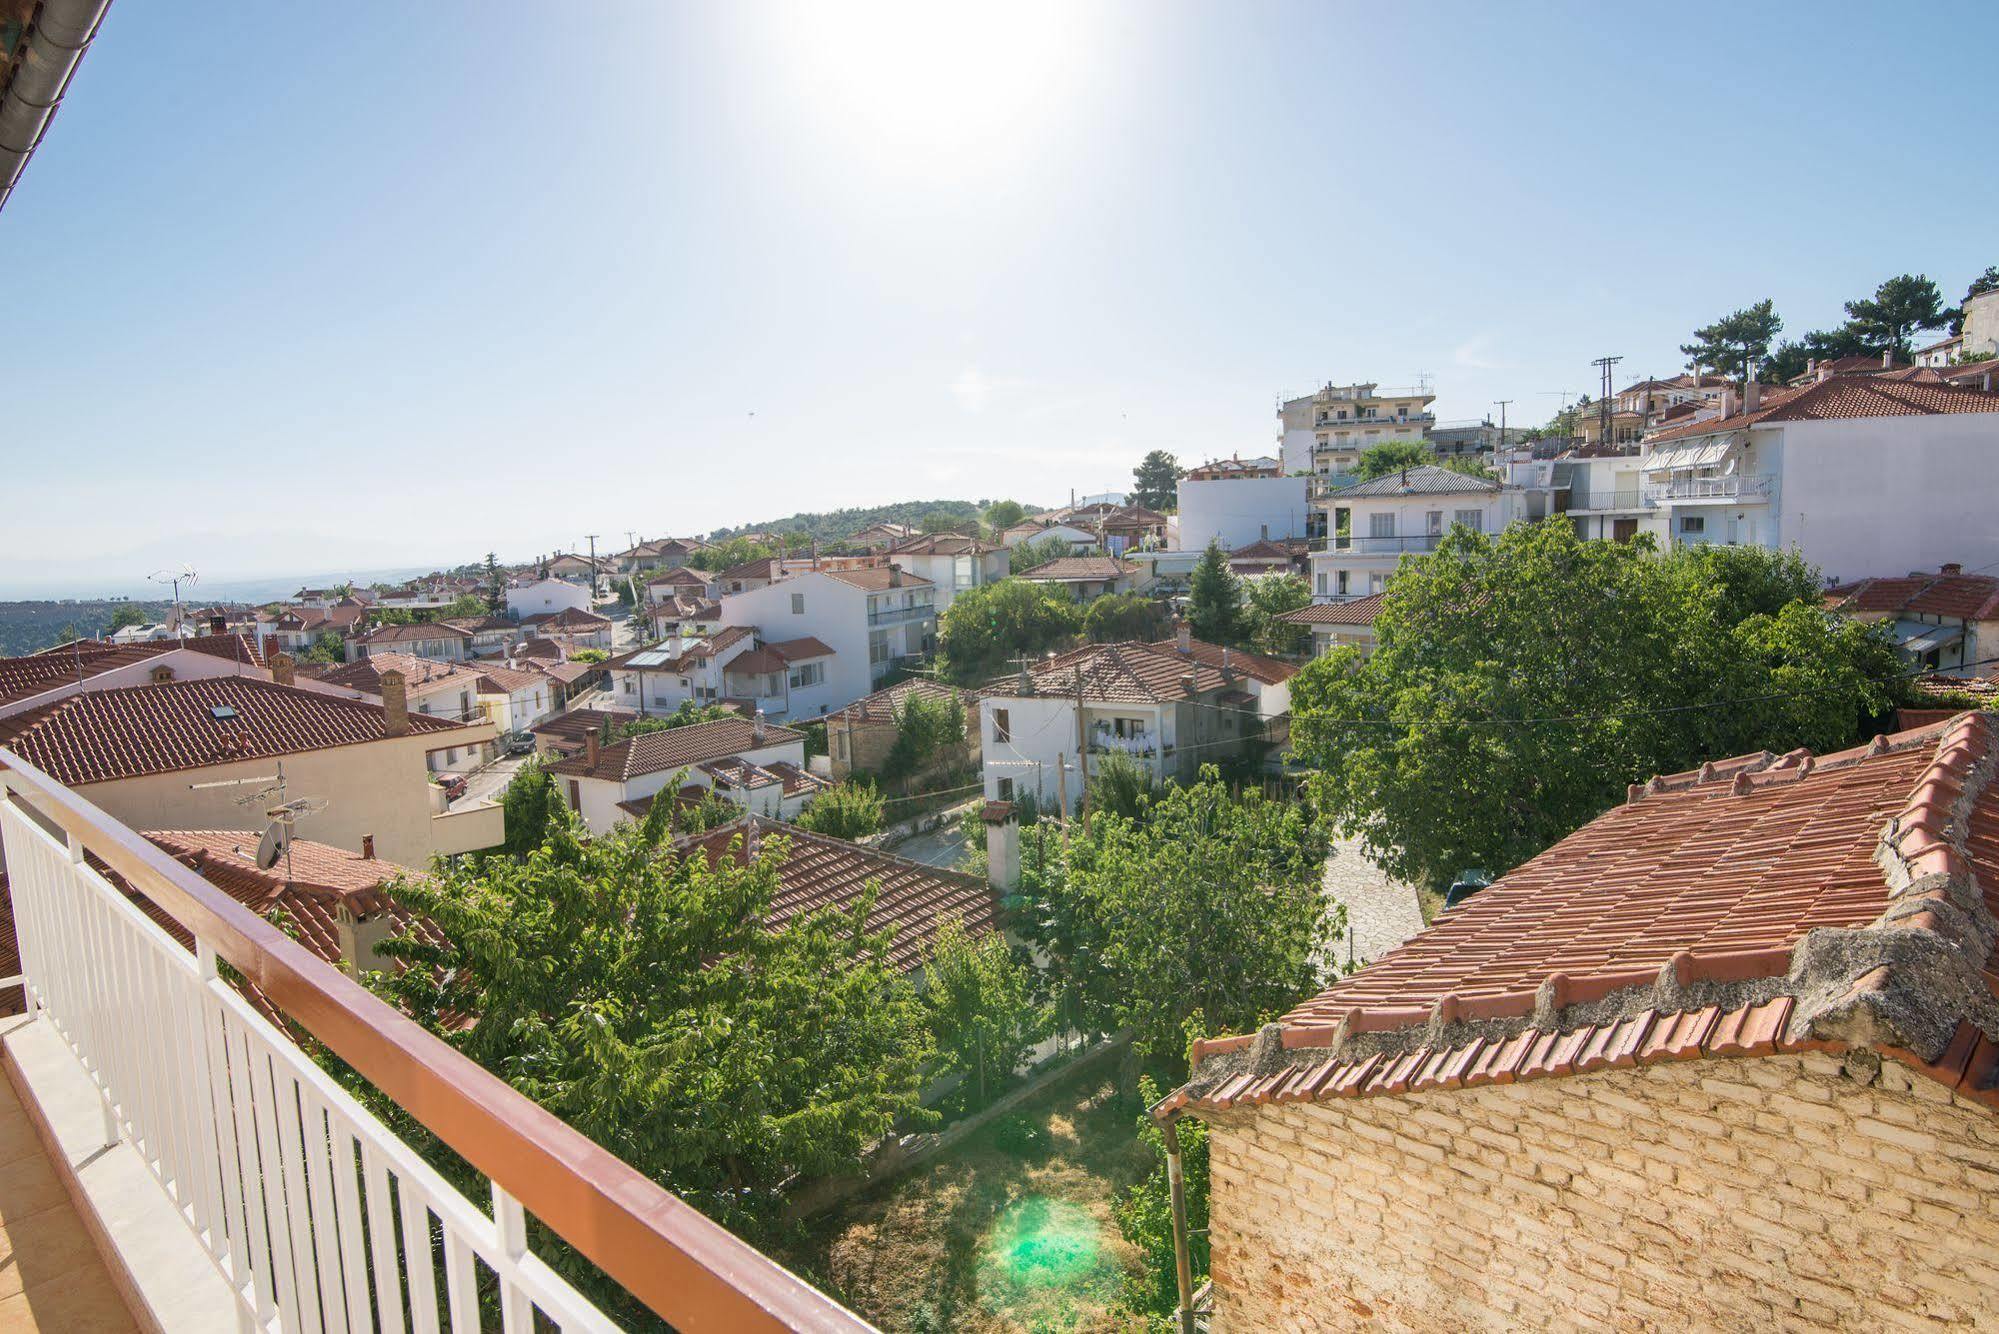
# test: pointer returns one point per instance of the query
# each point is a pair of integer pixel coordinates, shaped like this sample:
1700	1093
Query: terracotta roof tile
105	734
1844	397
1067	568
675	748
1354	611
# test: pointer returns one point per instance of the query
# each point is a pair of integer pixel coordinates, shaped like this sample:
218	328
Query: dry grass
990	1239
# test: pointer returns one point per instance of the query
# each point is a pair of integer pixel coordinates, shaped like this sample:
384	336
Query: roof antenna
176	578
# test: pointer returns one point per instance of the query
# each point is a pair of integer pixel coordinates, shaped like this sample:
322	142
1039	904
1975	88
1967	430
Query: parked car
454	786
518	743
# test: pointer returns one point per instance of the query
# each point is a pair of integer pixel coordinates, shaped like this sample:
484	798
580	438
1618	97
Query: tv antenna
281	817
184	575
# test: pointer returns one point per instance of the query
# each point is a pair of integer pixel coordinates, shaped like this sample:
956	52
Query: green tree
470	605
1004	514
1121	785
1144	1215
849	810
1035	553
1214	598
925	728
686	714
127	613
1898	308
1987	281
1266	599
1522	681
532	808
1115	617
1205	915
984	627
588	655
1791	360
728	554
642	995
328	648
496	583
983	1014
1736	341
1156	481
1392	456
942	521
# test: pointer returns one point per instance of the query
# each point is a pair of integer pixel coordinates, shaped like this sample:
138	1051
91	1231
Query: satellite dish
276	836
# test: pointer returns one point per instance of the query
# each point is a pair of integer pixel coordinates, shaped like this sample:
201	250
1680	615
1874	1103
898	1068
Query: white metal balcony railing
898	615
1749	487
1377	546
1384	419
314	1213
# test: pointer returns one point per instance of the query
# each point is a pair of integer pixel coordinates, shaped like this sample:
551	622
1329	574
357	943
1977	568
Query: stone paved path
1381	912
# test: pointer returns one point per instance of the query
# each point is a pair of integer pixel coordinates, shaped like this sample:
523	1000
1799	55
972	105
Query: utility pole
1082	755
1604	364
1501	405
1062	793
593	565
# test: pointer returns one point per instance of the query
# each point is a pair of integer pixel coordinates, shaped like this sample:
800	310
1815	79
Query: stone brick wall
1781	1192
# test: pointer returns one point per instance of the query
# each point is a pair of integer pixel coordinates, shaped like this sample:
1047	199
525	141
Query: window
1381	525
1002	725
1472	519
1322	583
1433	523
1006	789
798	604
629	686
807	674
1693	523
1340	587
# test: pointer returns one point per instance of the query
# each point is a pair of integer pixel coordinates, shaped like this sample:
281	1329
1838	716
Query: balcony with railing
1745	488
1104	740
1619	498
311	1213
900	615
1377	546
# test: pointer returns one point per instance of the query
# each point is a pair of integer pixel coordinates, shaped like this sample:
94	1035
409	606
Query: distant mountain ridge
837	525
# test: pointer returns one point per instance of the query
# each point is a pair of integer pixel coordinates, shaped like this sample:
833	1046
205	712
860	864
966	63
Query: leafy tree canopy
1792	359
1898	308
1736	341
327	648
1004	514
850	810
638	994
983	1013
731	552
1392	456
685	715
1204	914
1156	481
1266	598
987	626
1116	617
127	613
1522	681
1037	552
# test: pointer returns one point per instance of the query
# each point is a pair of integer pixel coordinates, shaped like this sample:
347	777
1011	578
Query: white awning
1701	453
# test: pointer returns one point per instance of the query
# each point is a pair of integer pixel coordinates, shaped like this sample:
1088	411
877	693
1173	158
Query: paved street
1381	912
489	782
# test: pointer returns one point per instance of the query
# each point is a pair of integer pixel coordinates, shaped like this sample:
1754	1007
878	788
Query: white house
40	679
1372	525
513	698
603	782
1947	621
435	689
1086	578
581	629
1170	710
951	563
680	582
1862	474
661	677
1079	538
870	618
789	679
1339	624
1237	511
437	640
545	597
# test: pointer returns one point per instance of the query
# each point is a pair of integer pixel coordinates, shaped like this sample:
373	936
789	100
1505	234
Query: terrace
255	1189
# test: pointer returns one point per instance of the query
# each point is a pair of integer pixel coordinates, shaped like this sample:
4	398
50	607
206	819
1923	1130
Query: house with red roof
40	679
869	618
1337	624
758	765
1941	622
1725	1058
1862	473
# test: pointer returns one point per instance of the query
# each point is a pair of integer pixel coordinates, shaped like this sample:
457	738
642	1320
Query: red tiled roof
943	544
1969	597
25	677
879	709
497	680
1132	672
821	872
1253	665
1354	611
1069	568
876	578
567	730
675	748
134	730
1761	904
415	630
1843	397
768	568
681	575
695	651
569	618
775	657
419	674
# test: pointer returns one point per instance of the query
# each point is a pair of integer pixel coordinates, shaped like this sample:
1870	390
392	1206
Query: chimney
1887	358
592	748
757	732
368	847
1002	845
358	934
282	669
1265	532
1953	568
162	674
1183	636
1228	671
218	624
1752	393
1189	683
395	704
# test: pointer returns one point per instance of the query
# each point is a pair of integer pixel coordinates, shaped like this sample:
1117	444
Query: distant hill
28	626
837	525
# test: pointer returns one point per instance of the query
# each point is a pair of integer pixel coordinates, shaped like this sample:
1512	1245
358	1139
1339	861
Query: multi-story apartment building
868	619
1325	432
950	562
1371	526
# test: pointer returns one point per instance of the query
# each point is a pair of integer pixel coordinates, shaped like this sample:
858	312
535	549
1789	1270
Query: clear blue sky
306	289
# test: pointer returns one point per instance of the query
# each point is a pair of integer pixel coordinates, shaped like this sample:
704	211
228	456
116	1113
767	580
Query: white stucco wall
1887	495
600	797
547	595
1242	510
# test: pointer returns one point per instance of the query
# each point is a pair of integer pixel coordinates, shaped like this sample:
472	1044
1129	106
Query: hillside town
1537	869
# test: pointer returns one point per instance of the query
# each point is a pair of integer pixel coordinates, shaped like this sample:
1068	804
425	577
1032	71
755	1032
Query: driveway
488	783
1382	912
